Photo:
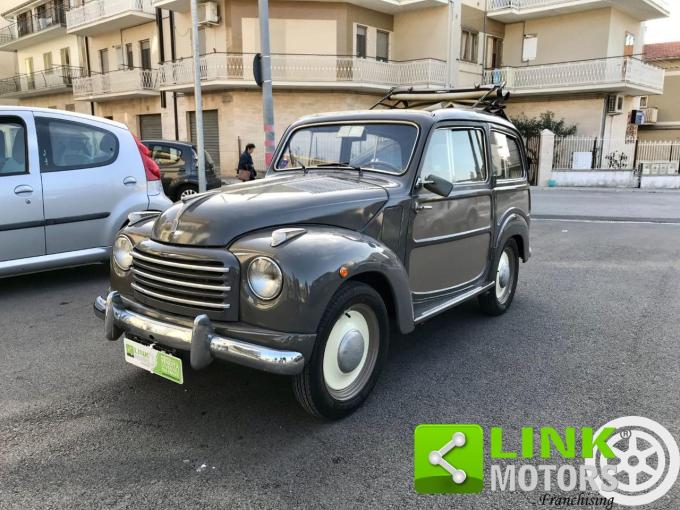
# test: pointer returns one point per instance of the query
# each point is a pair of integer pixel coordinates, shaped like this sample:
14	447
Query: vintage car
365	220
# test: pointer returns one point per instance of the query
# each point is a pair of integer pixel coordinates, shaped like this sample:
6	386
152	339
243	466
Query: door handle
418	207
128	181
23	189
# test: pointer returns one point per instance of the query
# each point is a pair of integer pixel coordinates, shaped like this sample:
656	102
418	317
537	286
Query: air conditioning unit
651	115
208	13
615	104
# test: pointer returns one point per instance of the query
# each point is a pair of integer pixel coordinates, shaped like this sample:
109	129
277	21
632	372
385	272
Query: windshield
381	147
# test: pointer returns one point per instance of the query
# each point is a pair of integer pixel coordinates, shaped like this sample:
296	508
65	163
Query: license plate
154	360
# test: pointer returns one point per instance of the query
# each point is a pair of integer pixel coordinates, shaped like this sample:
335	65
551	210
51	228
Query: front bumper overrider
201	340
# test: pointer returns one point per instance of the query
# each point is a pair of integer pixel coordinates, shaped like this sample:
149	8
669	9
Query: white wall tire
504	275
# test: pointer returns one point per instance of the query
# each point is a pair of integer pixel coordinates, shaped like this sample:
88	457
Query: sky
665	30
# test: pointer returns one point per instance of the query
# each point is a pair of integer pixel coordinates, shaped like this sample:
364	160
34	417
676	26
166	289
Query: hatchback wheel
351	347
497	300
186	191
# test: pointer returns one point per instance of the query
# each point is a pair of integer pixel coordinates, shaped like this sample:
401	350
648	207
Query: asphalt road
592	335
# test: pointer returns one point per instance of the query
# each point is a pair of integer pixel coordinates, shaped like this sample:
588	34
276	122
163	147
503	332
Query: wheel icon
646	461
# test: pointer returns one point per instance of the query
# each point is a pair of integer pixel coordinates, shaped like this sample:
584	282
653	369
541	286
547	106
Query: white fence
93	11
584	73
116	82
495	5
305	69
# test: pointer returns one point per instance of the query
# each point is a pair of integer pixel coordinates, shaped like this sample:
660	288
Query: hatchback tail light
153	173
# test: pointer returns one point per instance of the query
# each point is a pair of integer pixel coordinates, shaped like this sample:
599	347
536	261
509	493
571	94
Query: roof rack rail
490	99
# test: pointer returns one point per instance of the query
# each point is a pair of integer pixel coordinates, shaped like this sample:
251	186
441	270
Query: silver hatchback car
67	184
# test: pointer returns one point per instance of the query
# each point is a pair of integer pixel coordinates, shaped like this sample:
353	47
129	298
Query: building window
382	52
129	58
494	52
529	48
644	100
104	61
629	45
30	79
468	46
201	41
65	55
361	41
145	53
47	61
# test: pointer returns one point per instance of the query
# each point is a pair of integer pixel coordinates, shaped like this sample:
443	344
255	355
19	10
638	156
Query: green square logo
448	459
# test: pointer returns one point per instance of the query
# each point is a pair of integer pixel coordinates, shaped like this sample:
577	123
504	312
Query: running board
450	303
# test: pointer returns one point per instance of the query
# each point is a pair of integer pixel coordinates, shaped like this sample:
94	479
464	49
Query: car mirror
436	184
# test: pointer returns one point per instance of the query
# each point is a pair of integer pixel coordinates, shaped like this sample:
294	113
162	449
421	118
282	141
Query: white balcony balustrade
219	70
54	80
102	16
511	11
618	74
125	83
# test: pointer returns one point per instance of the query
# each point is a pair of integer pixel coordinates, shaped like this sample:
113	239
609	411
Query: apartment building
662	112
131	60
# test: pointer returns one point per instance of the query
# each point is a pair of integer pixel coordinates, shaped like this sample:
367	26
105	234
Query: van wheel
506	269
185	191
350	351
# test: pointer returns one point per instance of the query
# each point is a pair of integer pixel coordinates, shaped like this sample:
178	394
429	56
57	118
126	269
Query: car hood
217	218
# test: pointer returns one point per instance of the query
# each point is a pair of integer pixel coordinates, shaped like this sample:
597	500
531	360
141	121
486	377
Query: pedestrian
246	169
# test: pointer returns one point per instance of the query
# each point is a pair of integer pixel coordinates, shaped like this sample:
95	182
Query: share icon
436	457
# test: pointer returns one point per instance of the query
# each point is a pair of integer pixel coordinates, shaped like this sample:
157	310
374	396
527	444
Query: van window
506	156
12	147
68	145
456	155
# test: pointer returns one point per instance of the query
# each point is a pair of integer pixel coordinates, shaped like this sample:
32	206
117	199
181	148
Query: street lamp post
198	98
266	68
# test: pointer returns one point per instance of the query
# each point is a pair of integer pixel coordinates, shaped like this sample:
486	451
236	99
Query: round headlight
264	278
122	253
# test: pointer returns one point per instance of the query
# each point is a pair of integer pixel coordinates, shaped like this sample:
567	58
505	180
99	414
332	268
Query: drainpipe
453	42
267	94
173	57
198	97
161	46
89	69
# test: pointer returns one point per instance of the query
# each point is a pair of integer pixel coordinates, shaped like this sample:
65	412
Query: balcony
387	6
33	27
651	115
173	5
617	74
221	70
53	81
512	11
122	84
102	16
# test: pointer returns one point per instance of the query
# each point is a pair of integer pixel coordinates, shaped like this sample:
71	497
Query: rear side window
165	155
68	145
506	156
12	147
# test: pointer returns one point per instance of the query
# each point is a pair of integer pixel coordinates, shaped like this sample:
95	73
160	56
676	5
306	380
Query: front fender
310	265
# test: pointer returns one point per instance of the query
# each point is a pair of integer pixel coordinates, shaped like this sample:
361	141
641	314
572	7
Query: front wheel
186	191
351	348
497	300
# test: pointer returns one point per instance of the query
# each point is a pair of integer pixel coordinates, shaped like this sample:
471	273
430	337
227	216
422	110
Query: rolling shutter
150	127
211	134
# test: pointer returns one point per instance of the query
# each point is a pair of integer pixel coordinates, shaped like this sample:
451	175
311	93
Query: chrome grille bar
173	299
182	265
221	288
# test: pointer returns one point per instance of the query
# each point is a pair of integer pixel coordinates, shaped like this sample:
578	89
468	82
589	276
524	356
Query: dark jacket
245	162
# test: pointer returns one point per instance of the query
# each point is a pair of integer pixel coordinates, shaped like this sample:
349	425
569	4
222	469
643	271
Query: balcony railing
607	74
116	84
306	70
103	10
33	22
510	11
41	82
497	5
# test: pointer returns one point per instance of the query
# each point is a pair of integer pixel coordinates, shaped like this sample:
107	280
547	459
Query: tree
546	120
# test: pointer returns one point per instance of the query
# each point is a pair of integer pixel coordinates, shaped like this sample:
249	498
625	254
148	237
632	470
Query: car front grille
186	281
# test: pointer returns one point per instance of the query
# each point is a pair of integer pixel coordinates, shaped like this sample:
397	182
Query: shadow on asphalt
48	280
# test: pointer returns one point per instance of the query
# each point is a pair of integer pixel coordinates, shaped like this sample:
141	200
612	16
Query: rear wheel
497	300
351	348
186	191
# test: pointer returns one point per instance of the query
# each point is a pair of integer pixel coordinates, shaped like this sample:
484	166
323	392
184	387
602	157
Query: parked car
67	185
178	162
364	219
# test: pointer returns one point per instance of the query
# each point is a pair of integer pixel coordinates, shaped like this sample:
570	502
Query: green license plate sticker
154	361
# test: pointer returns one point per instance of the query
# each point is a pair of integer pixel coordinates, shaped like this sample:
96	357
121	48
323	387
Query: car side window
12	147
68	145
506	156
165	155
456	155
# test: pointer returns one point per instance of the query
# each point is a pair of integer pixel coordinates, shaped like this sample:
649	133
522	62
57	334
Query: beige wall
585	112
292	36
58	101
668	103
126	111
54	46
659	135
420	34
132	35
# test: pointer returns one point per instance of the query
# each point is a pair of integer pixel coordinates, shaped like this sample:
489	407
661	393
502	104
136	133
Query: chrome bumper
201	340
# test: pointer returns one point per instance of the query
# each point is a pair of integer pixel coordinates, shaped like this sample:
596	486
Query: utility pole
198	98
454	31
267	97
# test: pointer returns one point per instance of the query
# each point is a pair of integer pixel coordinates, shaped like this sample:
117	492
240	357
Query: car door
450	236
22	225
92	178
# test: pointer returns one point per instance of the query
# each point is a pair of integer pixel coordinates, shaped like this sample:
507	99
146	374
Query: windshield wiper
343	165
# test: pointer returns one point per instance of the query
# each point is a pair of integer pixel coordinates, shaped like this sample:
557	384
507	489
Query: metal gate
533	149
211	134
150	127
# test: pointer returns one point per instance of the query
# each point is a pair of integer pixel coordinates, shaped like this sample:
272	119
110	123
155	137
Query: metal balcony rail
304	69
497	5
40	18
54	78
99	9
614	71
116	82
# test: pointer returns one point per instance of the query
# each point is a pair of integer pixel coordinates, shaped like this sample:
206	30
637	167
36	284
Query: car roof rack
490	99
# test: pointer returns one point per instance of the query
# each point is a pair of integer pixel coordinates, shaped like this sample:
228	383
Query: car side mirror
437	185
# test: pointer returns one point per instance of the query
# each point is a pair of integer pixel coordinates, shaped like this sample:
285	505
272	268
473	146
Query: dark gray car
365	220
